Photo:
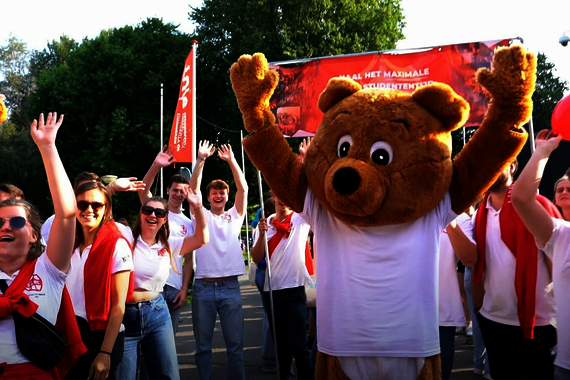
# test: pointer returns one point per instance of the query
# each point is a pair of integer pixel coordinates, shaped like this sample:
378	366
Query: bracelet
104	352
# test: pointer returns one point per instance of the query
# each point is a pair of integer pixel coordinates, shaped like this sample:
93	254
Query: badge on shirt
183	230
227	217
35	284
163	252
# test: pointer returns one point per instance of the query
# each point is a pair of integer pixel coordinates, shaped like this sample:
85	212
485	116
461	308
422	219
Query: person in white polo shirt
218	266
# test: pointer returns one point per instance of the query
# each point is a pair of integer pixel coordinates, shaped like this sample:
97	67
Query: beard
501	184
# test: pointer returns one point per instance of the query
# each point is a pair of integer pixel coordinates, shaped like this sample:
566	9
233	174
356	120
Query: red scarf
282	230
65	322
97	276
522	245
15	299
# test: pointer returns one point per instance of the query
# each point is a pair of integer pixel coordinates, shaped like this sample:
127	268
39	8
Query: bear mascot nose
346	180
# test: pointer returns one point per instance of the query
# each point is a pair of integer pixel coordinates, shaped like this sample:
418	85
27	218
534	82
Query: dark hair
177	178
85	177
32	216
163	233
269	206
12	190
217	184
565	177
83	188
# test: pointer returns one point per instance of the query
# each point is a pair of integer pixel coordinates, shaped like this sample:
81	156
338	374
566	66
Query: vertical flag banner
294	102
180	143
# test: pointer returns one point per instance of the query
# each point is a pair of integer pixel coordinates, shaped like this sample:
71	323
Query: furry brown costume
396	165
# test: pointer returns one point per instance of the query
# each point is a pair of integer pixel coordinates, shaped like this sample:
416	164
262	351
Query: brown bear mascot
378	186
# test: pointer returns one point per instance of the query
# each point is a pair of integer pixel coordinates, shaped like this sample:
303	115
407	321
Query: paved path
253	316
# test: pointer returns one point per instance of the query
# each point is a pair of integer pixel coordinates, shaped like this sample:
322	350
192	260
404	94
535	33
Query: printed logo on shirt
227	218
183	230
35	284
163	252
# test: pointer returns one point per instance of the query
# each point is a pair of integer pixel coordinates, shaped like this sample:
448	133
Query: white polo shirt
122	261
152	263
180	226
222	256
45	289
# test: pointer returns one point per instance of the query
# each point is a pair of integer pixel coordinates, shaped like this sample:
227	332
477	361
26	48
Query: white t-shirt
152	263
180	226
287	262
122	261
378	285
46	228
500	301
222	256
45	289
450	306
558	249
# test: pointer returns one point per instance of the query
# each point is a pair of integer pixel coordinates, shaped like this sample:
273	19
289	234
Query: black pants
93	341
290	321
513	357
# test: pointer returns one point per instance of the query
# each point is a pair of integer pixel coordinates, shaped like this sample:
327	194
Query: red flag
180	143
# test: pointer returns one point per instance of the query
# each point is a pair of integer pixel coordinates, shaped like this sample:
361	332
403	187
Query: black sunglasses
158	212
16	222
84	205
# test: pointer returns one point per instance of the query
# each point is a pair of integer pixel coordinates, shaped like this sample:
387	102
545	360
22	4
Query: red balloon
561	118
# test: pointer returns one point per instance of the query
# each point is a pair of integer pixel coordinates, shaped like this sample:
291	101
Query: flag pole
195	47
161	134
246	219
269	277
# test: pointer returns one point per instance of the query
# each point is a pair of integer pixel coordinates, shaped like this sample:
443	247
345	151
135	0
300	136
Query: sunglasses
16	222
84	205
158	212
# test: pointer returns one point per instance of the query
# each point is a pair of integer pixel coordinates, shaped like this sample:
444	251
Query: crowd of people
119	291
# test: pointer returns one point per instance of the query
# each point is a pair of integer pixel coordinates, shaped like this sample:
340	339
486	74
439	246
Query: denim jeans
148	328
447	345
169	293
480	360
267	345
223	298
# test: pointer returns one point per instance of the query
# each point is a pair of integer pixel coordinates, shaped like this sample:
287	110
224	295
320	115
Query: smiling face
218	199
151	223
15	243
91	217
176	195
562	194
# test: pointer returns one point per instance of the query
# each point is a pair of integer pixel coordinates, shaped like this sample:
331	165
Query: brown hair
162	234
177	178
32	216
217	184
12	190
83	188
85	177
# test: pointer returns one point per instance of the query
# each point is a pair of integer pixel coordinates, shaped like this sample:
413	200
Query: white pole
161	133
246	219
531	135
194	47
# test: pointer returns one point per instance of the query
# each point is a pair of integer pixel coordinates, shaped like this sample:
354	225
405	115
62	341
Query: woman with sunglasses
29	280
148	327
99	282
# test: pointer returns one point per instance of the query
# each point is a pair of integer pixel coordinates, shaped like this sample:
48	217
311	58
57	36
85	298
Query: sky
429	22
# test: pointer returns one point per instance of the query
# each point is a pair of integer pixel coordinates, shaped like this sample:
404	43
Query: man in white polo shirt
178	281
218	266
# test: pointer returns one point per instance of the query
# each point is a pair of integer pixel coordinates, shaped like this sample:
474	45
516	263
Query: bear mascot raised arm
378	186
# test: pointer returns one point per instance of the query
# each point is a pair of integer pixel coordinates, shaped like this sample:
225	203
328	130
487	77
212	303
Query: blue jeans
480	360
561	373
223	298
169	293
267	345
148	328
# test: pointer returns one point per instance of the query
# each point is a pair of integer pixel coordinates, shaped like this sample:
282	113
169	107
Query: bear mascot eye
344	145
381	153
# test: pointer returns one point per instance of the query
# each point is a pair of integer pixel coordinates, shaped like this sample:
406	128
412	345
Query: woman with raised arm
100	283
148	326
552	236
30	280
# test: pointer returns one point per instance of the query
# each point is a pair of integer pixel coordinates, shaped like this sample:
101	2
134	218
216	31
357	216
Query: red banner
294	102
180	143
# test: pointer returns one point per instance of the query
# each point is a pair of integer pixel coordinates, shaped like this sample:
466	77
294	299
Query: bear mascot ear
336	90
442	102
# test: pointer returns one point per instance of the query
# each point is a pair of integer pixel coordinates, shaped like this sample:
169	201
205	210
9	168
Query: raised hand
44	133
205	149
547	141
128	184
304	145
194	198
164	157
225	153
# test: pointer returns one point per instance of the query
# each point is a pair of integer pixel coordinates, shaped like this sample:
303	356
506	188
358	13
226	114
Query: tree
109	90
282	30
56	54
